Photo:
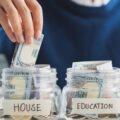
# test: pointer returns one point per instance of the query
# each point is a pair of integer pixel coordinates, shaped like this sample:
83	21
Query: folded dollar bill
26	55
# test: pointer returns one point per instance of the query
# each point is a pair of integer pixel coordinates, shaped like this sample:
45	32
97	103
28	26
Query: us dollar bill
26	55
93	65
84	87
91	82
17	83
75	93
16	88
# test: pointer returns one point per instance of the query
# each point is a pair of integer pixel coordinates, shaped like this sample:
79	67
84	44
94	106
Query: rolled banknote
26	55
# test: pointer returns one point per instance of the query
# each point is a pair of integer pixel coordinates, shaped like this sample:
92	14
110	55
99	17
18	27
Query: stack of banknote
91	79
36	82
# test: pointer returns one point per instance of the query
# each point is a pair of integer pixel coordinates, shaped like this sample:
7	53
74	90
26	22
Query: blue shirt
75	33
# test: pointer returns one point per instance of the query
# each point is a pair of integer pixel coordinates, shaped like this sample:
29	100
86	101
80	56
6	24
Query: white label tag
95	106
27	107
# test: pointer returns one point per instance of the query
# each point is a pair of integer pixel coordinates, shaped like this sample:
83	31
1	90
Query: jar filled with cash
16	86
79	85
86	85
33	84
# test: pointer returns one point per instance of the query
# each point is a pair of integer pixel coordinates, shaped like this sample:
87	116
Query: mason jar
27	84
82	85
89	84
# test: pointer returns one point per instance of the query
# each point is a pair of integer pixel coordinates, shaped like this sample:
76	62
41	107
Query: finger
37	16
26	19
6	26
14	20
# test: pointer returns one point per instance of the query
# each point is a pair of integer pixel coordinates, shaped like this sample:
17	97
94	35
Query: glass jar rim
26	72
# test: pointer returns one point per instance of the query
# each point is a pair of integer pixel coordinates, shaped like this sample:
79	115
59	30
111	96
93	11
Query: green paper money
26	55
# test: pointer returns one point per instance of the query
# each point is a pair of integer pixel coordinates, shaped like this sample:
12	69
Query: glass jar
16	86
83	86
89	84
32	84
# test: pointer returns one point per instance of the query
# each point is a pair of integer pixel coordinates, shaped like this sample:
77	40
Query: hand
21	19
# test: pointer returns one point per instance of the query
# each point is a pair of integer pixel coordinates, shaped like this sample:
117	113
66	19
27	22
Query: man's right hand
21	19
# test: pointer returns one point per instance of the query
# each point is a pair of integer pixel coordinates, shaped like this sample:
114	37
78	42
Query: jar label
27	107
95	105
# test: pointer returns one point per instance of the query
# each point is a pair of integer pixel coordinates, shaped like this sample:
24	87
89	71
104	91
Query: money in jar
82	85
16	86
87	81
32	84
